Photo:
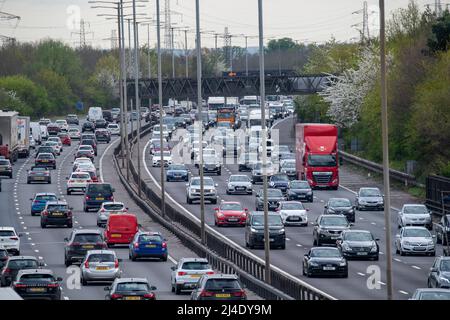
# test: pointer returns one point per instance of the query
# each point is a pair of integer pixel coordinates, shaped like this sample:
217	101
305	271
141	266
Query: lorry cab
317	155
121	228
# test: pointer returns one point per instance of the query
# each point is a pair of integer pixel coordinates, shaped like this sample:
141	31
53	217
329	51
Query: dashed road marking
361	274
403	292
36	250
299	245
416	267
288	239
397	259
382	283
373	223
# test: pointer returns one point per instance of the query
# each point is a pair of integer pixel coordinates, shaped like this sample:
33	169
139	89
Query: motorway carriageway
409	272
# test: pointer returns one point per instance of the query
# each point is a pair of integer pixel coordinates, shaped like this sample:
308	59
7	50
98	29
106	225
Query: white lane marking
403	292
381	252
21	222
288	239
382	283
416	267
37	251
29	238
249	253
299	245
33	244
361	274
40	258
398	260
103	155
66	298
24	228
373	223
20	218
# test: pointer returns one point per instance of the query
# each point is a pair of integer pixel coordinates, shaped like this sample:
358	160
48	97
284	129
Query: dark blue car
279	181
40	200
148	245
177	172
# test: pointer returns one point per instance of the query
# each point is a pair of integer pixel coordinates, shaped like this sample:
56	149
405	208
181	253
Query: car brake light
164	245
19	285
149	295
53	285
7	270
116	296
206	294
69	213
14	238
240	293
71	181
116	263
136	245
75	244
181	273
44	213
102	210
87	197
86	264
210	272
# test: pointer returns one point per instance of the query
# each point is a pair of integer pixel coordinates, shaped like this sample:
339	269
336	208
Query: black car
254	230
38	284
340	206
358	244
56	213
325	261
274	196
14	264
107	115
79	242
45	160
279	181
439	276
4	256
300	190
101	123
246	161
219	287
72	119
97	193
39	174
102	135
130	289
328	228
88	126
45	149
91	143
84	154
212	165
6	168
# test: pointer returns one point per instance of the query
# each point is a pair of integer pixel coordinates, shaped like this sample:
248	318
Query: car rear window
46	197
22	264
122	221
132	286
113	206
83	176
88	238
41	277
57	207
150	238
3	253
100	188
45	156
196	265
7	233
101	257
219	284
4	162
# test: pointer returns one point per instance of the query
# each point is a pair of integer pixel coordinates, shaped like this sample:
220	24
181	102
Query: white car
78	161
114	129
78	182
415	215
108	208
54	145
74	133
62	124
10	240
165	130
58	140
32	142
196	148
293	213
187	272
415	240
209	188
156	159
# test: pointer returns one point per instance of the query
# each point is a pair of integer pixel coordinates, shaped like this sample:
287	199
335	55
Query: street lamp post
200	120
246	56
158	35
384	129
264	141
149	63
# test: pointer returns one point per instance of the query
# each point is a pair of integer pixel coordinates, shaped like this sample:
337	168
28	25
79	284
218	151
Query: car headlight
444	279
281	230
362	202
309	193
430	242
253	230
331	210
346	247
373	249
406	243
313	264
342	264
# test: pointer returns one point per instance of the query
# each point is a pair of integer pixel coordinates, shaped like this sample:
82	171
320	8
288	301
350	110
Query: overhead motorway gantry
231	86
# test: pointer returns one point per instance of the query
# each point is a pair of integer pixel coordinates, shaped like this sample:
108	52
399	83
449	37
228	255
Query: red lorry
317	154
9	147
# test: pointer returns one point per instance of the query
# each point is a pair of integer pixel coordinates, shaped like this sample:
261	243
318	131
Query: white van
44	133
95	113
35	131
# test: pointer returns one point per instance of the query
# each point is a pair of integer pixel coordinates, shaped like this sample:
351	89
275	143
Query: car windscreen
326	253
300	185
221	284
274	193
101	257
231	207
414	233
370	193
336	203
132	286
84	176
322	160
239	179
435	295
334	221
292	206
279	178
23	264
88	238
45	156
57	207
177	167
358	236
46	198
274	220
445	265
415	210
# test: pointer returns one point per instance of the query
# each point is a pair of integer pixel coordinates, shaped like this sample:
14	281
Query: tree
282	44
440	39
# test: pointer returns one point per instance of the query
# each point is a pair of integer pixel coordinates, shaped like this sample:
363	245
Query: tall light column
123	112
262	93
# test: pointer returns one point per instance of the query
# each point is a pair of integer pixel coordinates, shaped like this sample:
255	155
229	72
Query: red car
230	213
65	139
121	228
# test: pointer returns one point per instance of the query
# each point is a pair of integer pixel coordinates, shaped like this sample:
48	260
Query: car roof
369	188
221	276
123	280
414	227
339	199
101	252
357	231
57	202
33	271
230	202
87	231
112	202
150	233
23	258
45	194
325	248
7	229
261	213
432	290
414	205
194	260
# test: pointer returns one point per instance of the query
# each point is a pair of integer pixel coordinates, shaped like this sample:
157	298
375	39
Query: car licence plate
240	188
132	298
99	198
233	220
329	268
39	178
150	246
361	253
37	289
57	214
116	235
44	160
88	247
271	239
102	268
195	276
223	295
295	218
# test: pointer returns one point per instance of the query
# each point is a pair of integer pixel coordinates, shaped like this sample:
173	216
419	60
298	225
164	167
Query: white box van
35	131
95	113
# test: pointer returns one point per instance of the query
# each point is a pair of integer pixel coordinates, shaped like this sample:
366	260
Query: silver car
193	190
415	240
107	209
415	215
100	265
239	183
369	199
187	272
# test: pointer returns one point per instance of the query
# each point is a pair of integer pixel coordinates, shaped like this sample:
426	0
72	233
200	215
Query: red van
121	228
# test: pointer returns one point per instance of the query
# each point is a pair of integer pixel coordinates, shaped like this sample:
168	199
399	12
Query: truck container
8	135
23	136
317	154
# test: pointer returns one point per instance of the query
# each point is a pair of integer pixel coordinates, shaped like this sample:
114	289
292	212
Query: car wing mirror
66	239
172	268
326	207
377	239
153	288
120	260
106	288
59	279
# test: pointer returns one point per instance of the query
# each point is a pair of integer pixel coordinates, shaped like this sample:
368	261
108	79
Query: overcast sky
302	20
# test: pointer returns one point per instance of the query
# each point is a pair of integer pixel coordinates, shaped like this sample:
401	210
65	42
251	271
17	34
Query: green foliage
281	44
440	39
311	109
